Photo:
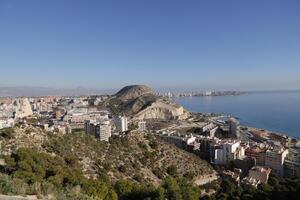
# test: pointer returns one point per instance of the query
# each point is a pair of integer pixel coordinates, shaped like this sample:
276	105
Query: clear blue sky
195	44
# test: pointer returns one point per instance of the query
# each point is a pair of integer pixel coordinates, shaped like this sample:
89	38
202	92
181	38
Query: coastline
274	112
269	133
261	133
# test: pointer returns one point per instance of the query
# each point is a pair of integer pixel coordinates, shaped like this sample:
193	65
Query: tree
123	187
188	191
112	195
173	191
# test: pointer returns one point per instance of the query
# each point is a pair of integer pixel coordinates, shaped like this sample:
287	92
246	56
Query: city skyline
180	45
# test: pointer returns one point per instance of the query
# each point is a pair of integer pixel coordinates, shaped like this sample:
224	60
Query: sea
275	111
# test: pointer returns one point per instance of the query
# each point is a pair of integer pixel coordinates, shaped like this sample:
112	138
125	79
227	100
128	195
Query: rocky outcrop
141	102
163	110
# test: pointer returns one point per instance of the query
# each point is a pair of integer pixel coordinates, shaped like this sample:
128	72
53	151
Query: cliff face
142	103
163	110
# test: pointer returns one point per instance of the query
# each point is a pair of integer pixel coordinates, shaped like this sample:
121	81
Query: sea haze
44	91
274	111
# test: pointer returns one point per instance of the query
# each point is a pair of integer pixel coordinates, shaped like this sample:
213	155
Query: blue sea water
274	111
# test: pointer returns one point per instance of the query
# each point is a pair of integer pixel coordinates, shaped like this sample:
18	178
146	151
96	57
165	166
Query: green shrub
6	185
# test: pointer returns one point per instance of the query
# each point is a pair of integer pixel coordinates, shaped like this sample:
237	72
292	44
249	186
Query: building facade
234	127
142	126
275	160
122	124
229	151
292	165
101	130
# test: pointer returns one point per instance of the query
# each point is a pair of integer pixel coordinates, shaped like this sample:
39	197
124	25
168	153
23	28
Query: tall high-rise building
234	127
122	124
101	130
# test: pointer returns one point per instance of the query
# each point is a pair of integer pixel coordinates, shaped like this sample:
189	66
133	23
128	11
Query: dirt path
7	197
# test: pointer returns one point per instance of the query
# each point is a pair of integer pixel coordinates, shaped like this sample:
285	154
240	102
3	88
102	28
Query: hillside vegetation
140	158
78	166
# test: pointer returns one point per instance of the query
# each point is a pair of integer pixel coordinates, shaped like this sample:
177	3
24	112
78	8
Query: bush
172	170
122	169
153	144
6	185
123	188
7	133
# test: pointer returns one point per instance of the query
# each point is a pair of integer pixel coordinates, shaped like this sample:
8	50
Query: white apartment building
275	160
122	124
229	151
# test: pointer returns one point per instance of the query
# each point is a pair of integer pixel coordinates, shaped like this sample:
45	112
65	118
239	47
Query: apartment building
228	151
275	160
101	130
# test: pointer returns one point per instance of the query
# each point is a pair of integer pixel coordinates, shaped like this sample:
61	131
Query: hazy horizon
46	91
195	45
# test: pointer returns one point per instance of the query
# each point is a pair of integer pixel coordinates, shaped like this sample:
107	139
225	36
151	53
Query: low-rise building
142	126
79	116
178	141
260	173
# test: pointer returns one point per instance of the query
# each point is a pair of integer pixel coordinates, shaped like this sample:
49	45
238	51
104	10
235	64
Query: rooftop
265	170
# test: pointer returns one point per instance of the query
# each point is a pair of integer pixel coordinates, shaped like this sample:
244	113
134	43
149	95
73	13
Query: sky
192	45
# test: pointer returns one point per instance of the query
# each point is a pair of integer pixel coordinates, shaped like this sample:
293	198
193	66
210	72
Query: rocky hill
133	92
141	102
